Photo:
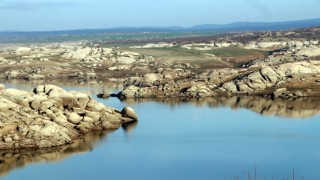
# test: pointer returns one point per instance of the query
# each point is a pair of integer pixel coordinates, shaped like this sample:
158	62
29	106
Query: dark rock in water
118	95
103	96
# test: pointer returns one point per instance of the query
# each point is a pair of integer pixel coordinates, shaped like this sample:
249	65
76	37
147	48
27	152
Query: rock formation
265	80
50	116
271	77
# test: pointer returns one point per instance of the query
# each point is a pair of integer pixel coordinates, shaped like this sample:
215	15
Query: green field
234	51
179	53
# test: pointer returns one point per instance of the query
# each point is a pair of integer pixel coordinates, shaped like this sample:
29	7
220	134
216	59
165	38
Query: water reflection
129	127
186	143
91	87
286	108
12	159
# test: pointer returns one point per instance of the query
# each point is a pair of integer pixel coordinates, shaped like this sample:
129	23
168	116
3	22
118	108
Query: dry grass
225	57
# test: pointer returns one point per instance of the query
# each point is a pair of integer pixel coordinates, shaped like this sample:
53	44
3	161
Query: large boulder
12	74
22	50
78	54
130	92
270	44
297	69
256	81
279	92
2	87
310	51
126	60
269	74
35	77
149	79
230	87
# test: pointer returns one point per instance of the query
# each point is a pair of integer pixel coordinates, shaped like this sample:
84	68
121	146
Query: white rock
310	52
22	50
126	60
269	44
2	87
129	112
74	118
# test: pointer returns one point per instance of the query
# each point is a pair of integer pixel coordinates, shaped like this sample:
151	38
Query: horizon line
154	27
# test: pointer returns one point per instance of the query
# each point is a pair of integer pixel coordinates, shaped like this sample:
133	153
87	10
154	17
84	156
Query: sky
44	15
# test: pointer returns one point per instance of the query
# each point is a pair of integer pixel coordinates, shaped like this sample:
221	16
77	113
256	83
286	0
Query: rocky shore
50	116
288	80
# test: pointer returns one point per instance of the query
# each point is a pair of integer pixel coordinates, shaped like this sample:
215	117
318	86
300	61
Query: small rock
2	87
129	112
279	92
88	119
35	104
74	118
8	139
15	137
299	94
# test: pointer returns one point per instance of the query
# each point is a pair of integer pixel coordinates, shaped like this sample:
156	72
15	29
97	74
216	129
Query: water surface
204	139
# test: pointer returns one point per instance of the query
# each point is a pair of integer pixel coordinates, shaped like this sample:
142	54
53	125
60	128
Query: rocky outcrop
164	83
87	54
12	74
311	51
50	116
152	45
63	61
22	50
265	80
271	44
126	60
35	77
271	77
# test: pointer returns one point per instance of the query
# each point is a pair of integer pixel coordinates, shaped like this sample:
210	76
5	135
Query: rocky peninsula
50	116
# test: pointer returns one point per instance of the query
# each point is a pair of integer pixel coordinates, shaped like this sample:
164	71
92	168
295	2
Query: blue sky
29	15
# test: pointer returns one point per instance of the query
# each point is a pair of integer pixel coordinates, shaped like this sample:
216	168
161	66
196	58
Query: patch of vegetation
234	51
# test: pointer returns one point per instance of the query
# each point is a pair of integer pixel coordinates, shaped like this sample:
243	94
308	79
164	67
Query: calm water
191	140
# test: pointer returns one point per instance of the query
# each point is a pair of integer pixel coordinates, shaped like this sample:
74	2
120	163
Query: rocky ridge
66	61
272	80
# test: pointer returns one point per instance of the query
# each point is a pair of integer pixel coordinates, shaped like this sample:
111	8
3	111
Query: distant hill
9	36
258	26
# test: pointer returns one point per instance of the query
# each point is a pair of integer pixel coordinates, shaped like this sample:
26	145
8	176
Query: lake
223	138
